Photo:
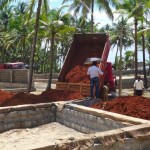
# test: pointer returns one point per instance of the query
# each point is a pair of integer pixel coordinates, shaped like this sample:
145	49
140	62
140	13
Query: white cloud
101	18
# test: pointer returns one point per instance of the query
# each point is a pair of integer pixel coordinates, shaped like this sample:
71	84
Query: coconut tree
87	6
145	40
55	29
3	3
120	34
34	45
134	9
45	5
129	59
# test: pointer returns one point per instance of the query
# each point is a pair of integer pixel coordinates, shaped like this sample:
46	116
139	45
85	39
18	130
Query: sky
102	19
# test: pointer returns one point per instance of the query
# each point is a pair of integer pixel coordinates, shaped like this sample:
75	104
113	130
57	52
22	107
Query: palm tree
121	34
3	3
87	6
129	59
45	3
135	9
34	46
145	40
55	28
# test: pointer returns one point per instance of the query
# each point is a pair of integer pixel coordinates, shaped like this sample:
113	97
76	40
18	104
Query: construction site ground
47	134
41	86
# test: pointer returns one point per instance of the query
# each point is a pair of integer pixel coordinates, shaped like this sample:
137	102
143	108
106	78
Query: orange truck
86	46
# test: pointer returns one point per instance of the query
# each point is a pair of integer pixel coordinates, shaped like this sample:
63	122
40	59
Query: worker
138	86
94	72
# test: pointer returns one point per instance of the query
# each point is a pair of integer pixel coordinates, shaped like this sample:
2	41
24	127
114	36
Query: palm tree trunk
92	19
51	61
149	61
117	55
120	67
144	68
135	40
34	46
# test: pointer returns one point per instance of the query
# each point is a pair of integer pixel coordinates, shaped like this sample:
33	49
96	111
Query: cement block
84	129
2	116
145	145
13	114
31	112
28	124
77	127
75	113
100	120
17	125
128	144
23	113
90	117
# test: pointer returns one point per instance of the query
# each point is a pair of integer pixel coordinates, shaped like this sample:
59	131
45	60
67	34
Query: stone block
28	124
100	120
84	129
90	117
10	126
77	127
2	116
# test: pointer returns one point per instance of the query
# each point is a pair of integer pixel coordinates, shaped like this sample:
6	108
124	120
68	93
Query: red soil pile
51	95
4	95
78	75
135	106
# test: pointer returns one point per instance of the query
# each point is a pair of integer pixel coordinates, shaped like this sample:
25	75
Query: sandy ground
48	134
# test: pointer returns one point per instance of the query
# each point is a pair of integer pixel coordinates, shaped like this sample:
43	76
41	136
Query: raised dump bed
36	125
86	46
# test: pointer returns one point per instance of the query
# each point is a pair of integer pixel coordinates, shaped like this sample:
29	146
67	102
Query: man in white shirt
138	86
94	72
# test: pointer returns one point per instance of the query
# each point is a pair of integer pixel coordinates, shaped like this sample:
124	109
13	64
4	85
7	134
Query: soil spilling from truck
52	95
135	106
78	75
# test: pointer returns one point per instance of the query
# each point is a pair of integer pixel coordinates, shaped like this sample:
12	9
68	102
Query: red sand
51	95
78	75
4	95
135	106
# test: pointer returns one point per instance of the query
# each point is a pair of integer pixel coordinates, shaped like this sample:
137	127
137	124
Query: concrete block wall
86	123
14	75
127	144
83	120
20	75
6	75
25	116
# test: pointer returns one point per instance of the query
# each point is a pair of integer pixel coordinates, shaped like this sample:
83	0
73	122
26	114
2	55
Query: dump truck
86	46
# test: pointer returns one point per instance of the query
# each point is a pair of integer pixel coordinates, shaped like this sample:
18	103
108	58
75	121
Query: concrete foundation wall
25	116
86	123
110	131
127	144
